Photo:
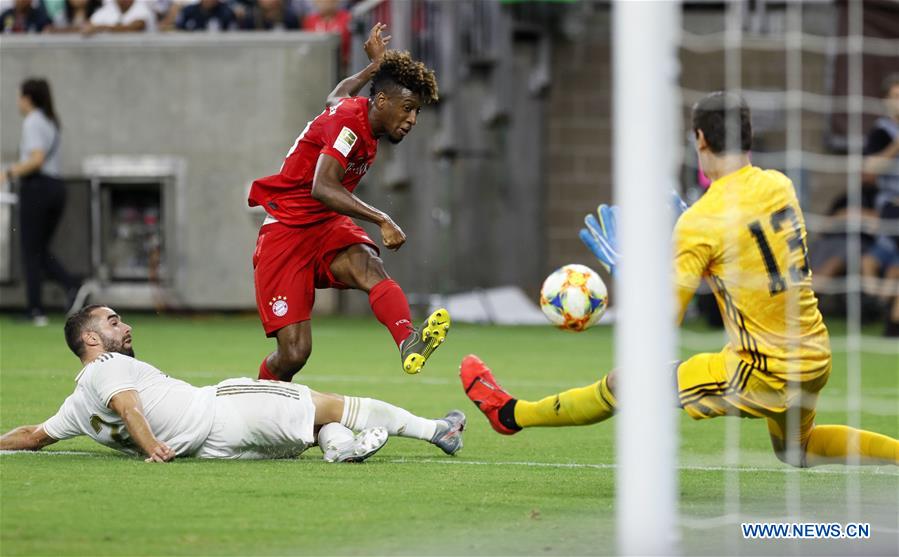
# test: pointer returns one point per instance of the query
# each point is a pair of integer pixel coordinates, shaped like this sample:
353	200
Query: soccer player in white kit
129	405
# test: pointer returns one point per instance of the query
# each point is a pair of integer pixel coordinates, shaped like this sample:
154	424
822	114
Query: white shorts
260	419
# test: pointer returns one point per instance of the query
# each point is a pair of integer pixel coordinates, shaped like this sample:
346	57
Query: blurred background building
165	129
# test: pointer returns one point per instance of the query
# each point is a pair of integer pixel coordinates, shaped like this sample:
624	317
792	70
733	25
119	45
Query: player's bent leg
294	349
328	407
339	444
359	414
358	266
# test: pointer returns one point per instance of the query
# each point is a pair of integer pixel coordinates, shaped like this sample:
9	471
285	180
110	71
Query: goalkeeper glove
600	236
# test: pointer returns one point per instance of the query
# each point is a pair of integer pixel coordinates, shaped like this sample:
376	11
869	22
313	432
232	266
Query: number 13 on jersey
795	243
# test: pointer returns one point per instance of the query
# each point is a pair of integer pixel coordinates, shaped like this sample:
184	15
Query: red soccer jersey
341	131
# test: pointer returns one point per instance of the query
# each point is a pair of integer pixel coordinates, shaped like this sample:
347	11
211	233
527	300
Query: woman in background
42	195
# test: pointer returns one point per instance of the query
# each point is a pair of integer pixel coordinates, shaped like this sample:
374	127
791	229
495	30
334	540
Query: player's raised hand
160	453
600	236
392	235
376	45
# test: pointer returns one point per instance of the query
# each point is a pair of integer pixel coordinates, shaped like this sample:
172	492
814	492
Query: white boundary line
60	453
870	471
867	471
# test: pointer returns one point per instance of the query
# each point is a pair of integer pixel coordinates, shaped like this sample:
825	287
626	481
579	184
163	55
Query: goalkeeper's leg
508	415
580	406
832	444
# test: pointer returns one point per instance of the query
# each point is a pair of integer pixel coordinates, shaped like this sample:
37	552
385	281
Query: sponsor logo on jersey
357	168
279	306
345	141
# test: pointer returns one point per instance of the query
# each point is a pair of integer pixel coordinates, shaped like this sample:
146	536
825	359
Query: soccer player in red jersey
309	240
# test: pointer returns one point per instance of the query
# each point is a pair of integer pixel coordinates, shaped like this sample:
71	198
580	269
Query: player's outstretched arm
328	189
127	404
26	438
600	234
375	47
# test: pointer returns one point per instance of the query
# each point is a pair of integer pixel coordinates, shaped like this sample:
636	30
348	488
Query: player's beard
116	346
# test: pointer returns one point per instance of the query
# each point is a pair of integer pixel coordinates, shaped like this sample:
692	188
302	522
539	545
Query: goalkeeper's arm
600	234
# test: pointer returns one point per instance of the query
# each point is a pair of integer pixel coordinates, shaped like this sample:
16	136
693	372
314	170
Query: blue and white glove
600	236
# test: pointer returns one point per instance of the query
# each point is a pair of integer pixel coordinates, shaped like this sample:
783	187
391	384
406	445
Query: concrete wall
230	106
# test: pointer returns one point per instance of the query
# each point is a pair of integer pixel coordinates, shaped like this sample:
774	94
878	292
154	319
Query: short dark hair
76	324
712	114
888	83
399	69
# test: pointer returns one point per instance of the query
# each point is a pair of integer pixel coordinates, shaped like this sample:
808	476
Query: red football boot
484	391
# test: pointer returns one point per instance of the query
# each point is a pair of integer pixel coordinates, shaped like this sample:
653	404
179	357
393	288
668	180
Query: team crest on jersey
345	141
279	305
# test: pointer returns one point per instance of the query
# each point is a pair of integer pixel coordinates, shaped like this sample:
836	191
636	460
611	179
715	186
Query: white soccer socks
364	413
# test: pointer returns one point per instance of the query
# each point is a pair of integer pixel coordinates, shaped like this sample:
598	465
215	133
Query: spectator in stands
828	252
75	16
270	15
167	13
241	8
122	16
328	17
206	15
881	165
42	196
25	16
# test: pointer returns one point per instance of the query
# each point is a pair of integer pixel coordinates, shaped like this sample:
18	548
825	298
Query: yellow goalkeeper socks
839	444
584	405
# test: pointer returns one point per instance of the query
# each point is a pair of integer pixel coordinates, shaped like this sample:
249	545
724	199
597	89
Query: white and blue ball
573	297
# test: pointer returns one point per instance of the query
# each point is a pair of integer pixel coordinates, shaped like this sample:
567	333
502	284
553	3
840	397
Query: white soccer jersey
179	414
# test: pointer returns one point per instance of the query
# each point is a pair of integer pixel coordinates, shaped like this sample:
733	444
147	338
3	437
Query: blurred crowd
110	16
878	213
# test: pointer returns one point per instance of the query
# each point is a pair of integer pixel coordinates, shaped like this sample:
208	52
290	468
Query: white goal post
646	107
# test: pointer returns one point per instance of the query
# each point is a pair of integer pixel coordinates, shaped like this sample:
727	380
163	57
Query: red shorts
290	262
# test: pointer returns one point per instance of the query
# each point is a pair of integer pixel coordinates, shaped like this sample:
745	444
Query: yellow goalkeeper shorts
722	384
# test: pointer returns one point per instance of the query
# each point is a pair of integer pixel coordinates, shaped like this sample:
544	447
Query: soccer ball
574	297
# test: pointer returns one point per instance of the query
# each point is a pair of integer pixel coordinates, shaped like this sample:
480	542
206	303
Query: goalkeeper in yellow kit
746	236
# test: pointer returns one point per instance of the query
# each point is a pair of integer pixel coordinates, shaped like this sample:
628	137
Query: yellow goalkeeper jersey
746	236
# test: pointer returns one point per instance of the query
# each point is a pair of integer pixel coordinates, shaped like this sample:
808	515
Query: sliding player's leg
359	414
508	415
340	444
358	266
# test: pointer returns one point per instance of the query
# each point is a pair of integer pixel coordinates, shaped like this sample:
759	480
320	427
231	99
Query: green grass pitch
542	492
